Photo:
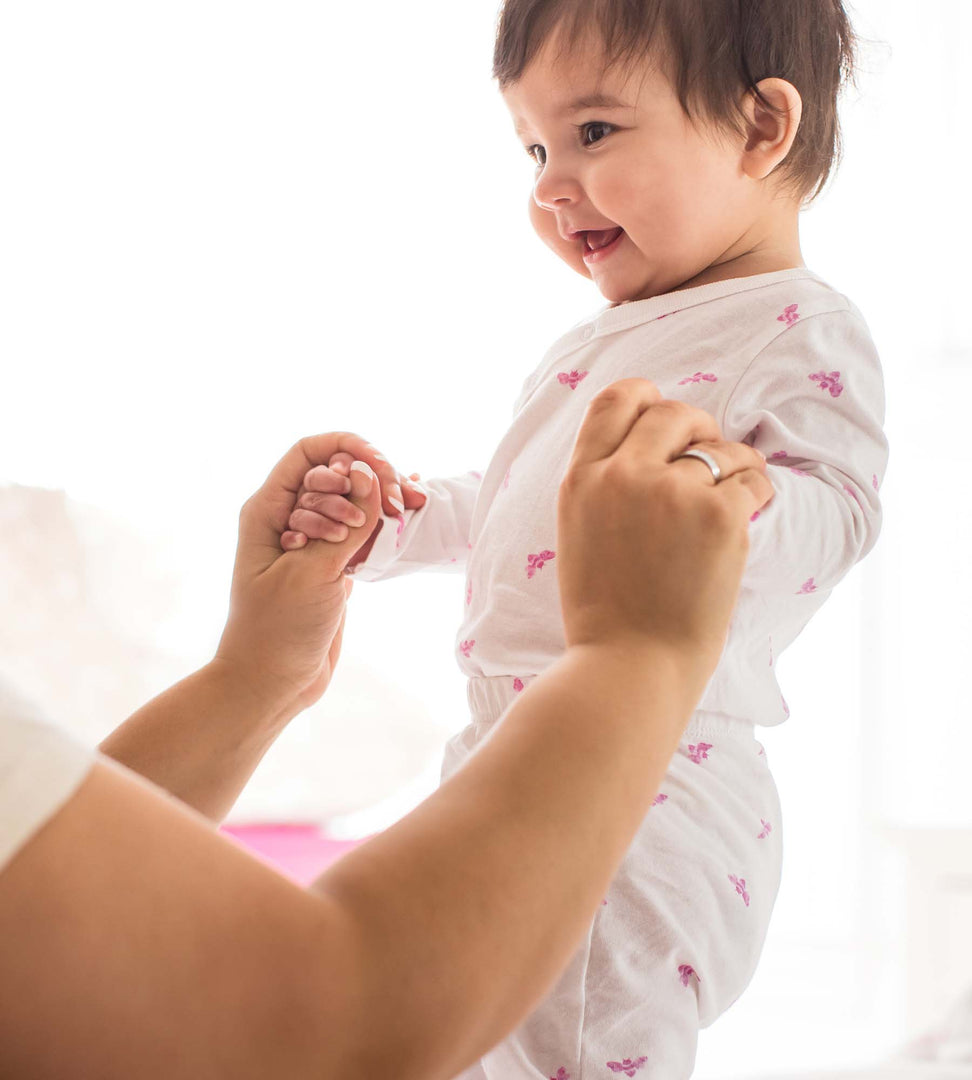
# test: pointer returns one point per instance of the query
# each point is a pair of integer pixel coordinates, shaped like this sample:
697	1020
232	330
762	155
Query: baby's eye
535	151
595	124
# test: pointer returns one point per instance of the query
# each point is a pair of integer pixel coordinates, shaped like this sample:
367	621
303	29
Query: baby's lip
579	234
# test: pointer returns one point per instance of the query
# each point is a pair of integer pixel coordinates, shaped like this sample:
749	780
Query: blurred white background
227	225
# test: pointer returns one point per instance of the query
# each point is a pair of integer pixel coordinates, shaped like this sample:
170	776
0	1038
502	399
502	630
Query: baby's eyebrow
588	101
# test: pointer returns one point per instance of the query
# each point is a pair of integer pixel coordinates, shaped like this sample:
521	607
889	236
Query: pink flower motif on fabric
562	1074
755	516
659	799
798	472
699	752
517	685
478	475
829	382
466	647
740	884
874	481
469	594
789	315
698	377
767	829
786	708
469	546
506	479
761	753
536	562
807	587
628	1067
853	494
778	454
572	379
686	972
398	533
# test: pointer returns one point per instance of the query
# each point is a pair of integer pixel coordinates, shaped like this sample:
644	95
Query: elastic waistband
490	696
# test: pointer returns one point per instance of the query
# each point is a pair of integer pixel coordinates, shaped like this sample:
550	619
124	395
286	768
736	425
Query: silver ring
708	459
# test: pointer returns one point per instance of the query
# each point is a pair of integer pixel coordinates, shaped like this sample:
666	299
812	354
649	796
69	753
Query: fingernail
396	502
362	467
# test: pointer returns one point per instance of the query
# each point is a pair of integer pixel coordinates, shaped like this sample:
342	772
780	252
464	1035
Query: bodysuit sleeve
813	402
434	537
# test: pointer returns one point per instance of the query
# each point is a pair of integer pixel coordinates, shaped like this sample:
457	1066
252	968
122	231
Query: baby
675	144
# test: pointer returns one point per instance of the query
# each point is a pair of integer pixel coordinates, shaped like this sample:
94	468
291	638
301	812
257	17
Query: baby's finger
341	462
324	478
291	540
317	527
335	507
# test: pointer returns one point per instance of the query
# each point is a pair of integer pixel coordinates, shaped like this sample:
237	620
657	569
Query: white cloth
785	363
41	767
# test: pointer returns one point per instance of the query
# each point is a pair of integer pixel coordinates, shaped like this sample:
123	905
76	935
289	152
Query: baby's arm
813	402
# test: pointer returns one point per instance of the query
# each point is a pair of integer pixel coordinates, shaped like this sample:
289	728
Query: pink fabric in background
299	852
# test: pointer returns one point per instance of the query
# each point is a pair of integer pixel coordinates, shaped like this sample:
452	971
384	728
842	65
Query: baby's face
682	199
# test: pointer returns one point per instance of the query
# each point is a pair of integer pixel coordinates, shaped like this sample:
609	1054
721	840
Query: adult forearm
201	739
471	906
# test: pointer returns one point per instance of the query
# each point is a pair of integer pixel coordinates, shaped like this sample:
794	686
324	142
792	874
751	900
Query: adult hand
650	548
287	609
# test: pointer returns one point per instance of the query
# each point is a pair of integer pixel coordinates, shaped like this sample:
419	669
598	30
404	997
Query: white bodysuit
785	363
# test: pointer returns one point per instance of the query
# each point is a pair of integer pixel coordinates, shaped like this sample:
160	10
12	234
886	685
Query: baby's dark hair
712	52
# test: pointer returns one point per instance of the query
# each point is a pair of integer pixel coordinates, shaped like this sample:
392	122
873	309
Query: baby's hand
322	512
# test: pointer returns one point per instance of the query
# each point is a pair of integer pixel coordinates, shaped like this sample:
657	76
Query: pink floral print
659	799
786	708
536	562
517	685
698	377
699	752
686	972
798	472
572	379
469	594
562	1074
807	587
789	315
740	884
767	829
778	454
755	516
874	481
829	382
628	1067
466	647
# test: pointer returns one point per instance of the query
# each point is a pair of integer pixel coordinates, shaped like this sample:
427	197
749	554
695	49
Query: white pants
683	925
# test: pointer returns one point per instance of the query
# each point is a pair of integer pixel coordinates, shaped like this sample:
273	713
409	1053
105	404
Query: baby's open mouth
599	238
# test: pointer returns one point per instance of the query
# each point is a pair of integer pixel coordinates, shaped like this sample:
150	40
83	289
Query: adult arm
139	943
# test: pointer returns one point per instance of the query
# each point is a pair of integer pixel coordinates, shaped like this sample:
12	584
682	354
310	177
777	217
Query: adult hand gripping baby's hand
287	608
322	511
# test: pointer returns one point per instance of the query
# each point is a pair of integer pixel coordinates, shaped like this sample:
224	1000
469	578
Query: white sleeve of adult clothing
434	537
813	402
41	766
